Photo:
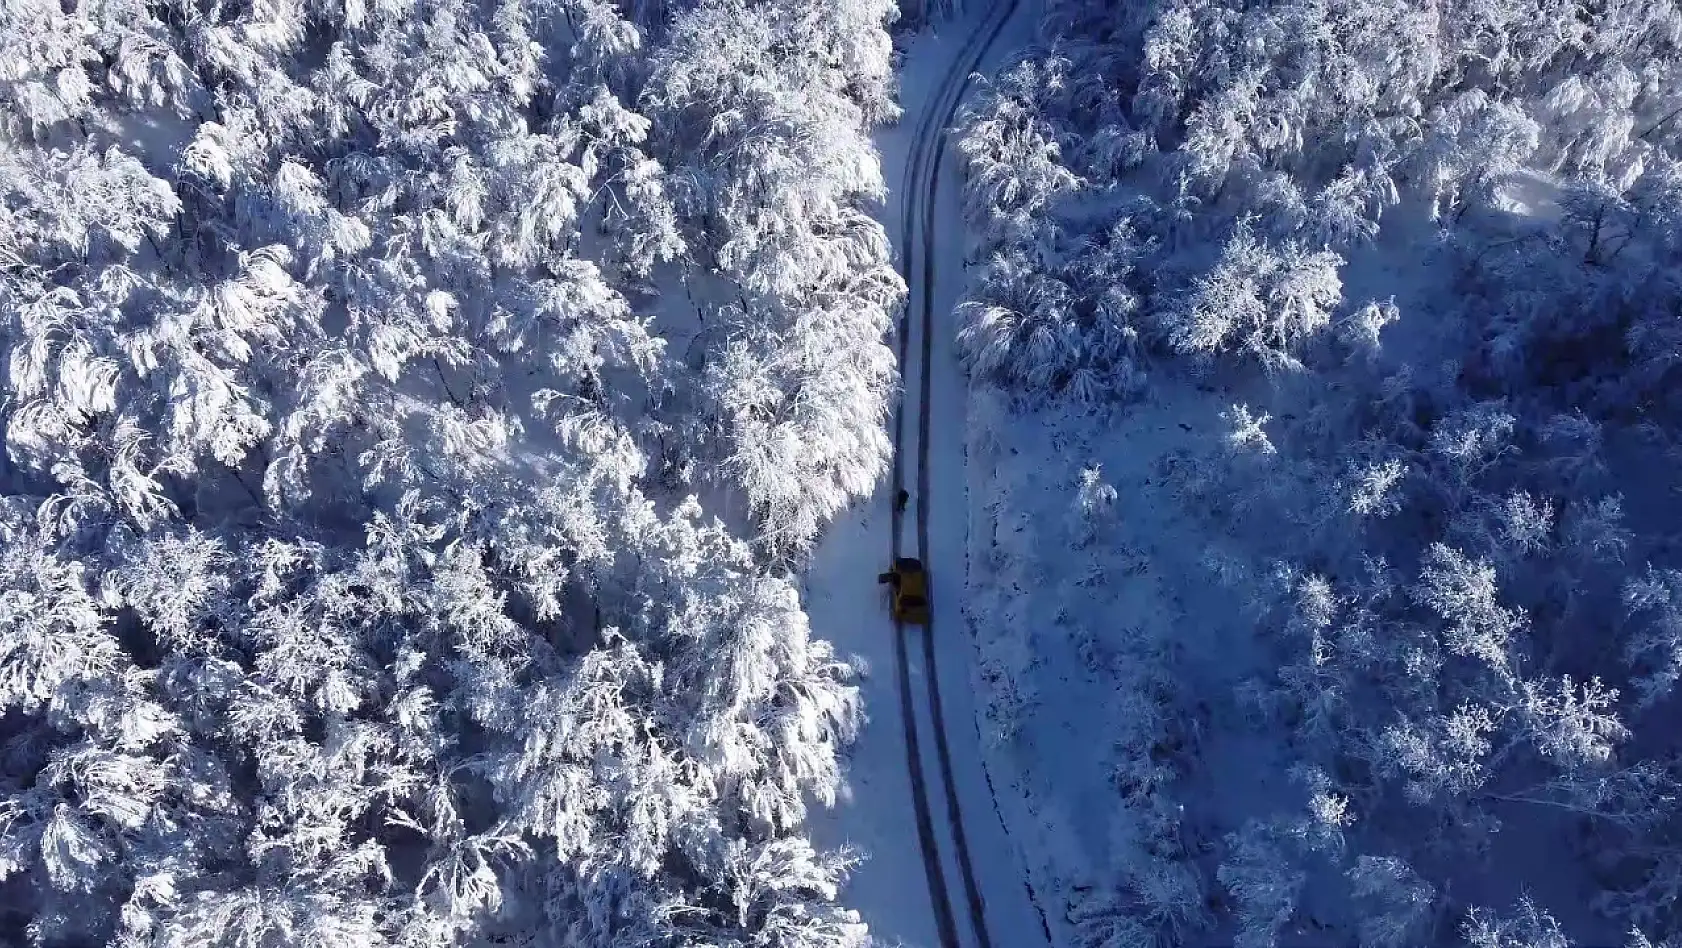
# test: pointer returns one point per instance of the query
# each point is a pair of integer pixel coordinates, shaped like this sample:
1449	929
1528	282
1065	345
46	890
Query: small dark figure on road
901	499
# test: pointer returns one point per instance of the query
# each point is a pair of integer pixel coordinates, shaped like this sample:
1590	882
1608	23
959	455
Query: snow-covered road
941	870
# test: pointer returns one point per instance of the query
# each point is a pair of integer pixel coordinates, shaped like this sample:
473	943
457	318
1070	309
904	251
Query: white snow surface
875	815
1060	624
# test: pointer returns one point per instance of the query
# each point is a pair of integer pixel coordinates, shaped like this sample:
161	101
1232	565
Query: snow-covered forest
418	416
1354	328
412	411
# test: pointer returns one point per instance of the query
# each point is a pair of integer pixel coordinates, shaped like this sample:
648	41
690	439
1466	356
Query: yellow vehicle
908	587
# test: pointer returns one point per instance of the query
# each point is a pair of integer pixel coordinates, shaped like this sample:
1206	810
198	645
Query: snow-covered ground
1074	636
877	814
1106	655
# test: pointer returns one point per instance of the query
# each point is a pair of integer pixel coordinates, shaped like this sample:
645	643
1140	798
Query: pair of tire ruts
927	150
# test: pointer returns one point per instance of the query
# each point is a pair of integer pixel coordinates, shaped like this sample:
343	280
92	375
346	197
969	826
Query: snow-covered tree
1261	301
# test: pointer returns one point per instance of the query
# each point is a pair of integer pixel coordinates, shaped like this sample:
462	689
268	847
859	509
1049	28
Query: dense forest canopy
416	413
405	405
1432	253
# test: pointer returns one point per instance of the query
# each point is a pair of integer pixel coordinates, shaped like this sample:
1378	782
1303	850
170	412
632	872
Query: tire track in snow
932	868
976	903
928	148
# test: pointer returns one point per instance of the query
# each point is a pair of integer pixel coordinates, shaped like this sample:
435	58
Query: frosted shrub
1263	302
1398	903
1247	433
1572	725
1525	926
1526	525
1263	882
1471	440
1373	490
1108	921
1448	753
1464	594
1363	328
1093	509
1595	530
1654	603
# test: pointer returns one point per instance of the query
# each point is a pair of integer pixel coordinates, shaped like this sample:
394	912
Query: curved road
939	870
920	188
